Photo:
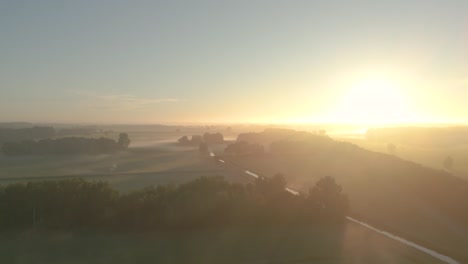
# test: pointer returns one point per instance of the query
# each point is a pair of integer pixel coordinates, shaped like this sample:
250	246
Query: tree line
68	145
76	204
8	134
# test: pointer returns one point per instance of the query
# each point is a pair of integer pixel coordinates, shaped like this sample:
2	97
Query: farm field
153	158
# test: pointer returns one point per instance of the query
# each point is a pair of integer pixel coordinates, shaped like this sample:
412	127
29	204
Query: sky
396	61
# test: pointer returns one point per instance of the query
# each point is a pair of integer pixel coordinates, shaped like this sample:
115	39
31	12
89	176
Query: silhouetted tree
124	140
183	140
327	196
196	140
271	186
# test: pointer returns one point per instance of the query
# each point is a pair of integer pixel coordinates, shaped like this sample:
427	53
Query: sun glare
373	101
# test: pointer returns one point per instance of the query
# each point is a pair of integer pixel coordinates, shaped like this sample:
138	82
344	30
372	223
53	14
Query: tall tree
328	197
124	140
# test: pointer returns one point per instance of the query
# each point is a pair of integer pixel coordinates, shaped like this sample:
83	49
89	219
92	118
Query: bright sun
373	101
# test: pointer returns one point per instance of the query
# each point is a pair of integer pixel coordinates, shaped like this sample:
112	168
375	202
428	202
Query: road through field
428	251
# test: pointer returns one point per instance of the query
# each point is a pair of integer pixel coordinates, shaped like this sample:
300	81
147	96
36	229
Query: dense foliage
124	140
69	145
76	204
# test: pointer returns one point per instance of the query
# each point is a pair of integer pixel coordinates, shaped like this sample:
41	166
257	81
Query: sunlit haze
234	131
373	62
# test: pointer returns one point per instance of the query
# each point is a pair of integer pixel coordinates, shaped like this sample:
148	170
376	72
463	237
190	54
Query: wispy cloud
118	101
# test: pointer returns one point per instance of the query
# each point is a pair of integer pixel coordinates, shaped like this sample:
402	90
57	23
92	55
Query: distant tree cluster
186	141
183	140
242	148
69	145
21	134
76	204
124	141
196	140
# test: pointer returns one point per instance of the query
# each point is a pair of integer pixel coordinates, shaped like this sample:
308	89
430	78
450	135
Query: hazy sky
222	61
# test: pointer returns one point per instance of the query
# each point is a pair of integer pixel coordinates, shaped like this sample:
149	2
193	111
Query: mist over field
233	131
421	203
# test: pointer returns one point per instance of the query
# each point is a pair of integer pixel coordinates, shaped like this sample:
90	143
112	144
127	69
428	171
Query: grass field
153	158
129	170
